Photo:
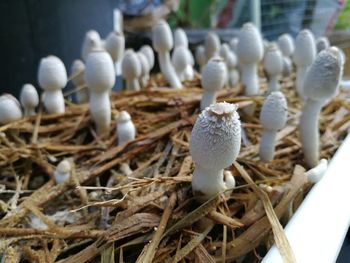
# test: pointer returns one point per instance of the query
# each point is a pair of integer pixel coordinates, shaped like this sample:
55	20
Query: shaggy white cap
286	44
10	109
115	45
214	74
52	74
322	43
273	114
273	60
305	49
29	96
162	37
180	58
131	66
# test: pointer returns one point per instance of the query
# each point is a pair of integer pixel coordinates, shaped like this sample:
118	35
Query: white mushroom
230	59
62	172
273	64
286	44
145	69
125	128
211	45
214	145
162	43
131	70
213	79
321	83
200	57
115	45
29	99
77	71
322	43
233	44
273	117
52	77
10	109
92	41
148	52
100	78
180	61
315	174
304	54
180	38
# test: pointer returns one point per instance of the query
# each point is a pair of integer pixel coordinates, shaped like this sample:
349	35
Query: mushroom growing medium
214	76
304	54
52	78
29	99
273	117
92	41
125	128
131	70
211	45
273	64
62	172
10	109
77	71
162	39
100	78
320	85
214	145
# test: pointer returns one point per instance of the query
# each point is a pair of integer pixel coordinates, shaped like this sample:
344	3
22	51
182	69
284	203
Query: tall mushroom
77	73
162	43
131	70
92	41
321	83
273	64
211	45
29	99
10	109
214	145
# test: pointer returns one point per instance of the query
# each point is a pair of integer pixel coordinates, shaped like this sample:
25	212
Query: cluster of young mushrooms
216	136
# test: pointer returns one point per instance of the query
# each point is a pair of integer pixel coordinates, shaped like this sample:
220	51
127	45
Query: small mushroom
230	59
322	43
286	44
214	76
180	61
52	77
131	70
10	109
77	71
233	44
62	172
115	45
29	99
211	45
320	85
180	38
273	64
273	117
145	69
200	57
214	145
92	41
125	128
162	43
148	52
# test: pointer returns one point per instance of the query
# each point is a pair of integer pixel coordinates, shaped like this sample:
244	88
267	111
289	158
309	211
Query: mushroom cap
123	117
180	38
10	109
224	51
231	60
52	74
233	44
323	77
216	136
214	74
63	167
162	37
250	48
29	96
99	71
322	43
143	63
286	44
200	55
273	60
148	52
180	58
211	44
77	71
92	41
273	115
115	45
131	66
305	49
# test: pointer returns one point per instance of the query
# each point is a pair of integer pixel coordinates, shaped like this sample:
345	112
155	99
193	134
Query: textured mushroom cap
123	116
224	51
52	73
214	74
305	49
233	44
29	96
250	47
92	41
10	109
273	60
322	43
99	71
63	167
323	77
341	53
143	63
200	55
216	136
131	67
162	37
115	45
180	38
286	44
77	71
273	114
148	52
231	60
211	44
180	58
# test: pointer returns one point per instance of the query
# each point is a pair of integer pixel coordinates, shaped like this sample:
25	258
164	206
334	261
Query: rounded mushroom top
273	60
214	74
92	41
10	109
77	71
162	37
115	45
29	96
211	45
143	63
148	52
200	55
233	44
123	117
63	167
180	58
323	77
273	115
224	51
99	71
180	38
231	60
305	48
322	43
131	67
216	136
52	74
286	44
250	47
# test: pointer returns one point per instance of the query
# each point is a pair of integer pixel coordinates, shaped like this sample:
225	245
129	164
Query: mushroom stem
54	101
309	134
133	85
250	79
100	108
209	97
301	73
207	181
274	84
267	145
168	70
